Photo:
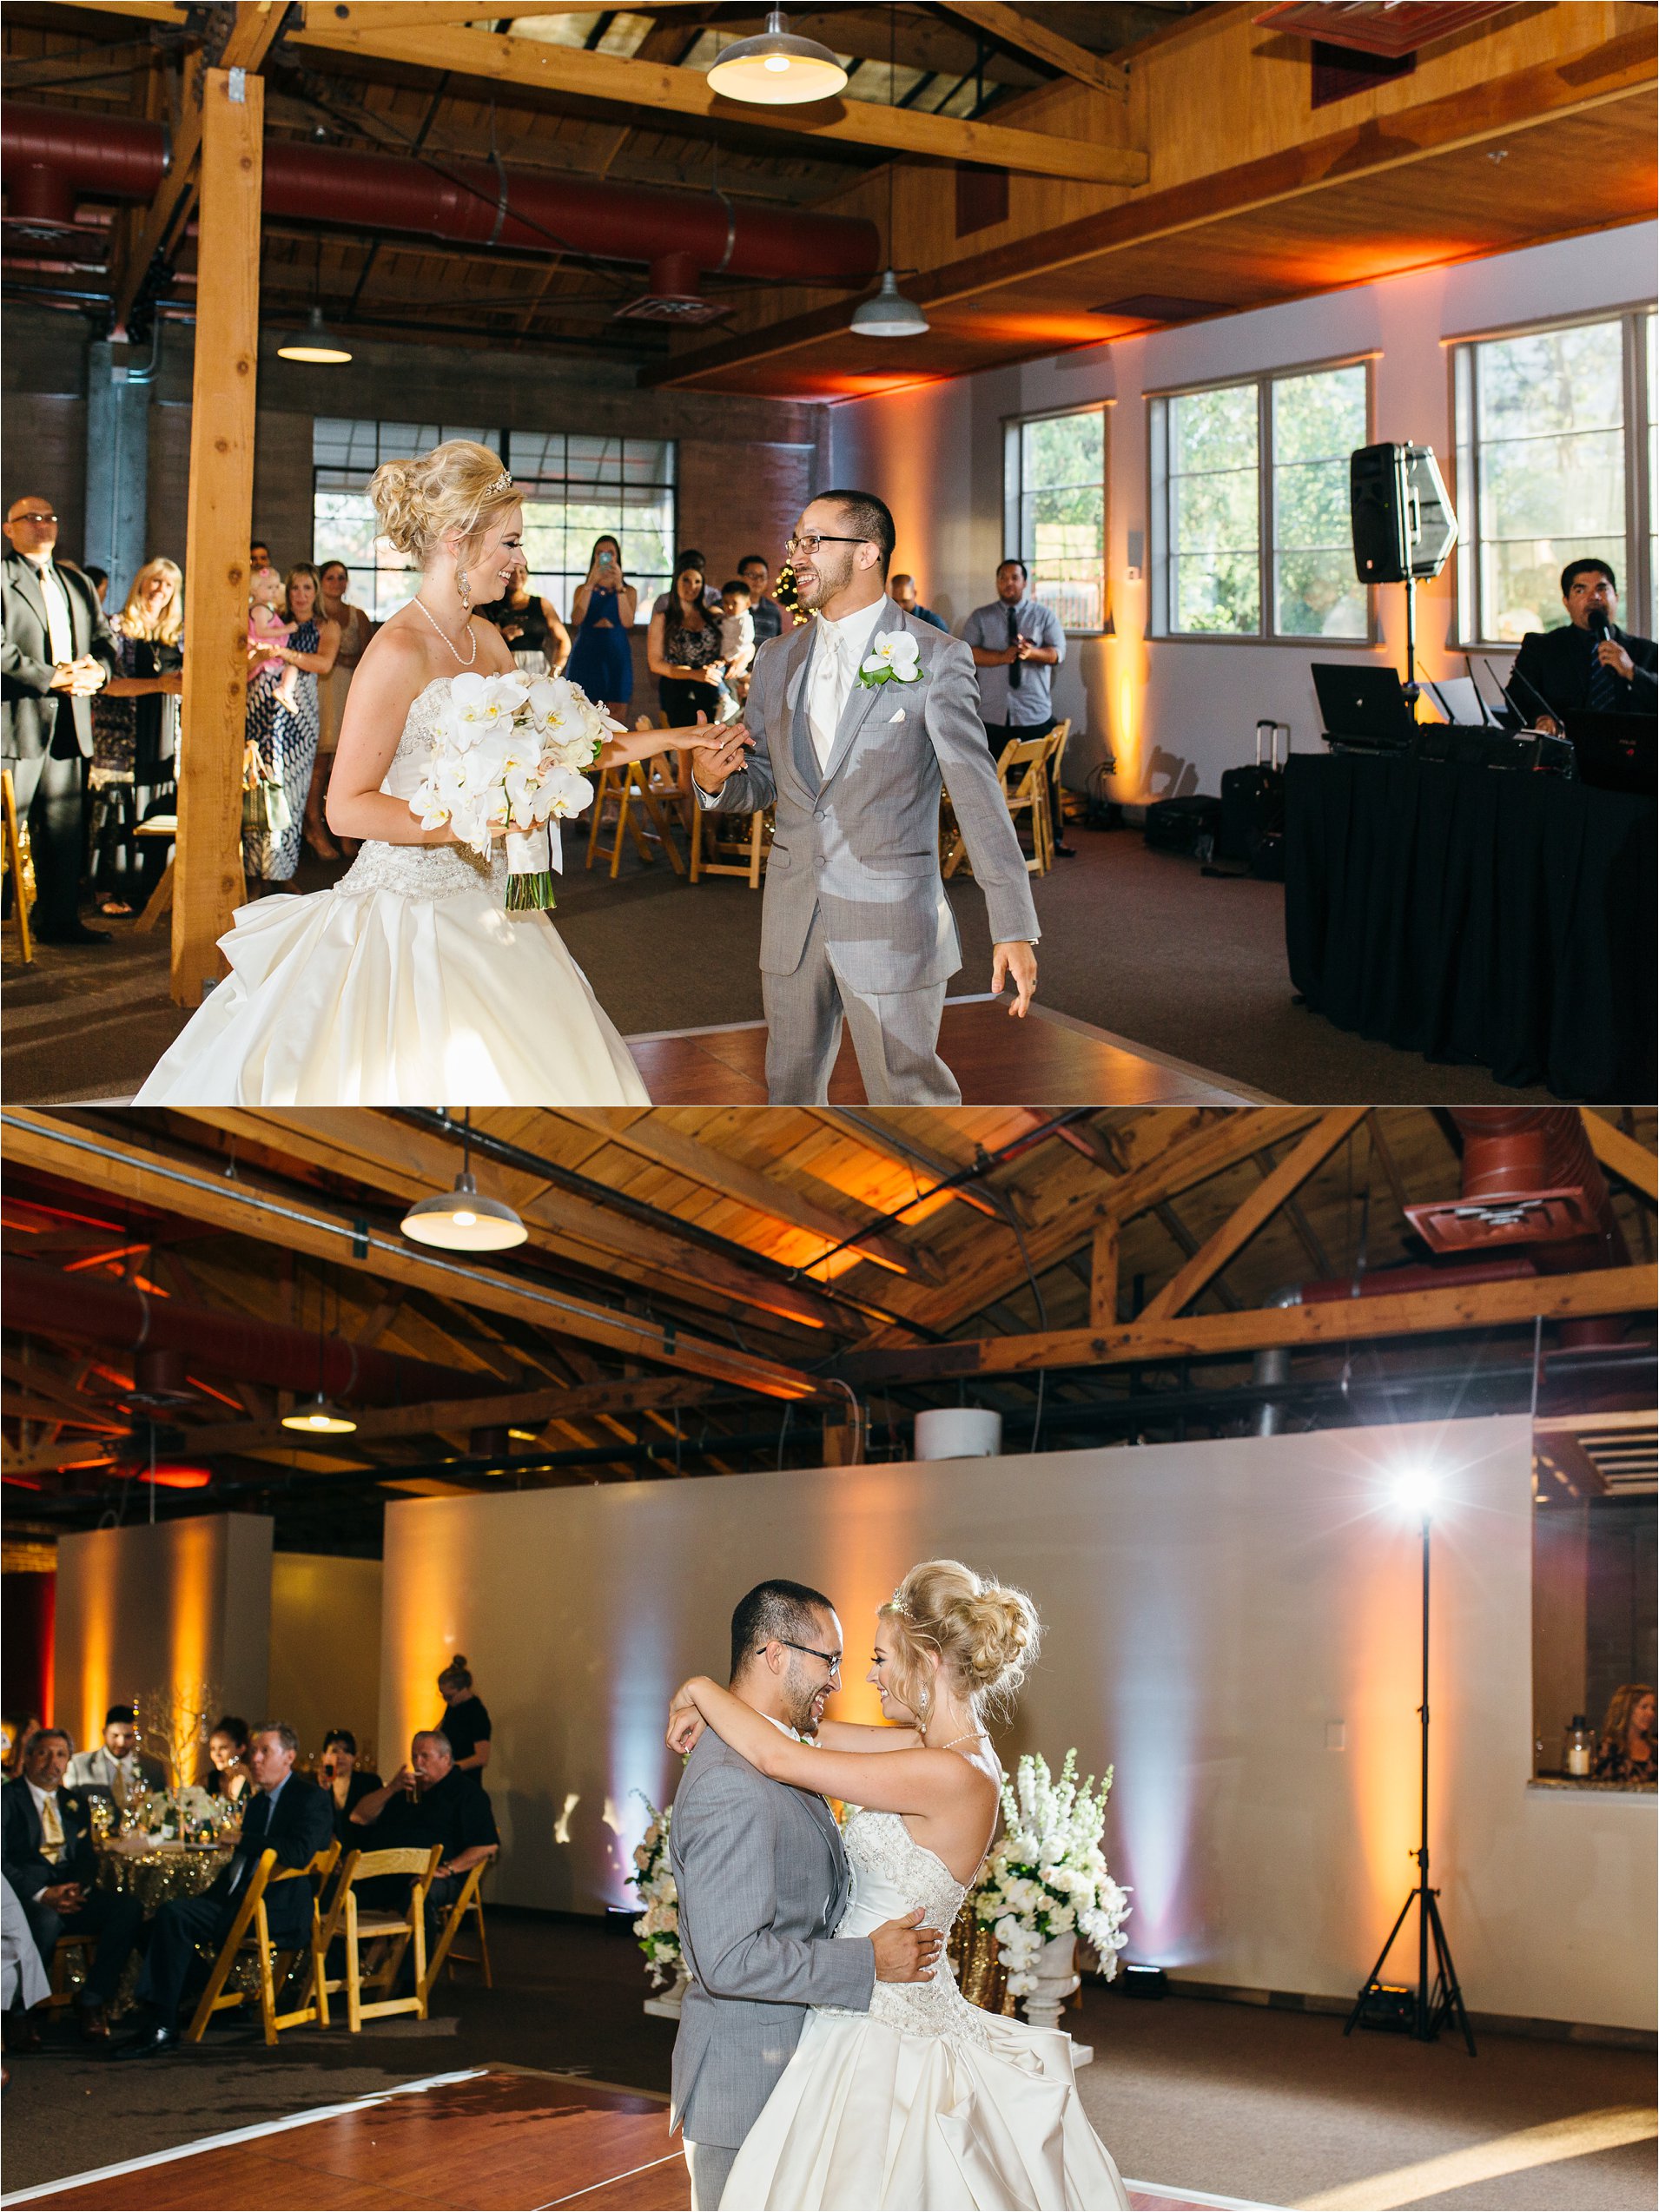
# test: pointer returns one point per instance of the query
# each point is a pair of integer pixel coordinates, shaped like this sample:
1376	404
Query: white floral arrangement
512	750
1047	1875
658	1926
893	657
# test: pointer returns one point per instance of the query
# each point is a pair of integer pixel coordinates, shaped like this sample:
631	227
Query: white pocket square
899	716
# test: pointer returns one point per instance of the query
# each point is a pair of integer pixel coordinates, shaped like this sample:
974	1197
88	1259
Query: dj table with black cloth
1474	914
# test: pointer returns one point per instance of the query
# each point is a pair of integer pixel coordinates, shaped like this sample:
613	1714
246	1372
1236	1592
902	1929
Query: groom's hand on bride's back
905	1952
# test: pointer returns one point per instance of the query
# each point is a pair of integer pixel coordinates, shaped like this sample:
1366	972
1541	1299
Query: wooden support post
208	874
1103	1276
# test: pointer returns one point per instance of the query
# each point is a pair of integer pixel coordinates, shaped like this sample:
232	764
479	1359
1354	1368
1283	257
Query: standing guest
56	651
902	591
355	628
688	557
229	1774
771	619
46	1854
1626	1751
290	1816
284	742
135	737
1017	643
1589	661
99	579
428	1802
258	556
117	1764
603	614
683	647
466	1720
541	643
343	1780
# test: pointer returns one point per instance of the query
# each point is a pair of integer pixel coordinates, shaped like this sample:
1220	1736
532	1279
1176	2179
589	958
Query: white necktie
826	693
59	626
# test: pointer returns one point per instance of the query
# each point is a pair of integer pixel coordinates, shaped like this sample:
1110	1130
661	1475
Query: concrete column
118	464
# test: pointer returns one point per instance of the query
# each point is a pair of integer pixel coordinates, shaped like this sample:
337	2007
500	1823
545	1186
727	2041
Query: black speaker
1402	520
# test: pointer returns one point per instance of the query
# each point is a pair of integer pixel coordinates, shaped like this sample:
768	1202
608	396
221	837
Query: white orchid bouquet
658	1926
1047	1875
511	750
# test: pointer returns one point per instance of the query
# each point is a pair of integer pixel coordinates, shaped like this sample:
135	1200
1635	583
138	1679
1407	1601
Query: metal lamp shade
890	315
461	1221
777	69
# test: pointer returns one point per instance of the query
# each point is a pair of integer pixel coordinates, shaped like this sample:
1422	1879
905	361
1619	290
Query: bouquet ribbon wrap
534	857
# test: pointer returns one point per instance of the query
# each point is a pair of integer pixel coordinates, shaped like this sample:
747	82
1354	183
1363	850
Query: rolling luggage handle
1265	722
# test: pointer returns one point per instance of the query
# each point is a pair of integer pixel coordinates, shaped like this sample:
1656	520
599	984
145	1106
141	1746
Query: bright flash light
1416	1490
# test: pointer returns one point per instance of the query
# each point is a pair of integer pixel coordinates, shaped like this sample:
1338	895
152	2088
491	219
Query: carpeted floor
1268	2105
1138	943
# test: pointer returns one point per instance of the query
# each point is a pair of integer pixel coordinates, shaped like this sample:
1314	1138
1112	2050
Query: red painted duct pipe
48	156
1386	1282
96	1310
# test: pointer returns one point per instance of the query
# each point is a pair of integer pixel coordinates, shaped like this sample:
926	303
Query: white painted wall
1177	713
1211	1610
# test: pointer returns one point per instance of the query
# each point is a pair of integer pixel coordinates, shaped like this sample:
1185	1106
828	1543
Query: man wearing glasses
856	720
56	649
763	1884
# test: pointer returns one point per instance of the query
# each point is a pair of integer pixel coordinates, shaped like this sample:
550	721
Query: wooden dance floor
1048	1059
496	2139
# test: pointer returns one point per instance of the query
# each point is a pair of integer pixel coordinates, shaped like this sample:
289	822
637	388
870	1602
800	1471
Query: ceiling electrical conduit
49	157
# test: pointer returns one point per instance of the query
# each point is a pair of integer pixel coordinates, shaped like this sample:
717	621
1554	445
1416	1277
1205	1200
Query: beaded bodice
422	871
892	1874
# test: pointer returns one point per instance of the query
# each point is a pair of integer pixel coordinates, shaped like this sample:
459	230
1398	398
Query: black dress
358	1784
467	1724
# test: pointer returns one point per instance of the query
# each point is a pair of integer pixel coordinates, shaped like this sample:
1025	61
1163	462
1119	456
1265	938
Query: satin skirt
374	998
867	2116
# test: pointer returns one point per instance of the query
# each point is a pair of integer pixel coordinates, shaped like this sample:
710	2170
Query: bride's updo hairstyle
458	485
986	1634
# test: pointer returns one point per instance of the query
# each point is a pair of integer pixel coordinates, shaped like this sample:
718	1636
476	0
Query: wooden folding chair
470	1900
641	804
738	843
1022	771
250	1934
1057	741
16	862
159	901
84	1944
355	1925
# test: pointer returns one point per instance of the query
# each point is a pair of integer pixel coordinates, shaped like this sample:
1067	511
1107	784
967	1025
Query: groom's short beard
800	1693
827	586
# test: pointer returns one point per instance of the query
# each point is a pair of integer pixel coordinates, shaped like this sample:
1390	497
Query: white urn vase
1055	1969
664	2004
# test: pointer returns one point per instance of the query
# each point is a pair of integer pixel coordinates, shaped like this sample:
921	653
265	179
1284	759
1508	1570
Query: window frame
1160	548
1013	428
1637	579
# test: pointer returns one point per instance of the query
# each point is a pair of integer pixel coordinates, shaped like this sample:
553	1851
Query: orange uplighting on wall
167	1477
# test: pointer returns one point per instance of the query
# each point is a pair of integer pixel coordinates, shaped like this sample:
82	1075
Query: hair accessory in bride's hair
895	1604
502	483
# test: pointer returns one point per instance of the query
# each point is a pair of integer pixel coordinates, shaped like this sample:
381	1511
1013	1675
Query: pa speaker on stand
1404	528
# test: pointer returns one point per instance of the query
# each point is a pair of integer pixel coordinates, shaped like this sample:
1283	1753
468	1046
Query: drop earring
464	588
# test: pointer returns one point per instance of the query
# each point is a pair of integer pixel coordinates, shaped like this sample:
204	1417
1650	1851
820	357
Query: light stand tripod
1442	2000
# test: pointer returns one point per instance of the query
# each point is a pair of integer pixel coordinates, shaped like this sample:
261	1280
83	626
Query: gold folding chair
62	1989
643	793
1022	771
738	843
471	1899
355	1925
1057	741
249	1935
17	861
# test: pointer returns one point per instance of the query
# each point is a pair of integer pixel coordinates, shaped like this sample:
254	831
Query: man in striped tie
1587	662
48	1857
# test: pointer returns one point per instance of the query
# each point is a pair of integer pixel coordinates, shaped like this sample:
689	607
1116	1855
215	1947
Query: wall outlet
1336	1735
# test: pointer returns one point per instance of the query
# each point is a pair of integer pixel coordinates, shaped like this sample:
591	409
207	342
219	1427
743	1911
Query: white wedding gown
407	984
924	2102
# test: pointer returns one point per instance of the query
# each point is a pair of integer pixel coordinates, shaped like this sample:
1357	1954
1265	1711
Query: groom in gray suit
856	924
762	1883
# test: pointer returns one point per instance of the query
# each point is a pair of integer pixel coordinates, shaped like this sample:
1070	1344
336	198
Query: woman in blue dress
284	738
602	615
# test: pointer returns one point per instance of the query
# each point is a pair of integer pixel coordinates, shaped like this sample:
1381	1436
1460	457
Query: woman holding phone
346	1782
602	616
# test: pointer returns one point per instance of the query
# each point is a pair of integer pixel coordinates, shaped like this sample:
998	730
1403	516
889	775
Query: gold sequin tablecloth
153	1872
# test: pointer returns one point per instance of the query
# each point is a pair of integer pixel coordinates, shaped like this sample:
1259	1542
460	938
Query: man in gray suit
855	923
57	649
762	1883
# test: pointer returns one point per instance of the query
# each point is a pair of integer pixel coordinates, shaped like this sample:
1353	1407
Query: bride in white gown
925	2102
409	983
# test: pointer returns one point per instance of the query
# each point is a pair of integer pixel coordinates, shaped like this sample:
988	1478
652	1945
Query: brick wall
44	437
741	497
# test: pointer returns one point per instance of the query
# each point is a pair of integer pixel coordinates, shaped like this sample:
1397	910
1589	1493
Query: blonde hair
132	620
986	1634
460	485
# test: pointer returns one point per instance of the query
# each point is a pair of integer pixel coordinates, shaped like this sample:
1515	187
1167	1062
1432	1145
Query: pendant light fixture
777	69
314	343
318	1416
460	1220
890	315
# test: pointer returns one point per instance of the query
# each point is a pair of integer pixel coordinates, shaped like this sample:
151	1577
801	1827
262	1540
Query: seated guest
117	1764
290	1815
770	618
465	1722
902	591
1625	1753
428	1802
346	1782
229	1774
1589	661
46	1854
24	1982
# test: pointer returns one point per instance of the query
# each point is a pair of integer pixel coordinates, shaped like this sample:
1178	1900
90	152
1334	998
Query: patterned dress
287	751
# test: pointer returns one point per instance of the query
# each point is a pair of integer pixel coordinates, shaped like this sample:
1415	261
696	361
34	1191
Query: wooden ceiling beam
1621	1155
500	57
1223	1144
1027	35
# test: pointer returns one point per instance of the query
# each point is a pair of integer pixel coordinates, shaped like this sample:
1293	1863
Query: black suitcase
1253	799
1186	825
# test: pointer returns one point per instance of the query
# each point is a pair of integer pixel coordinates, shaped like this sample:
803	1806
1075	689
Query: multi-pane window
1054	512
1250	510
1555	463
574	489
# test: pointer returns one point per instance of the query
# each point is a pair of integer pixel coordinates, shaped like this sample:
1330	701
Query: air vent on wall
1160	306
1388	27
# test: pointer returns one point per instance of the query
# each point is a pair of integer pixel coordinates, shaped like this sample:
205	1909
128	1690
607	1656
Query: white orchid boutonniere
894	657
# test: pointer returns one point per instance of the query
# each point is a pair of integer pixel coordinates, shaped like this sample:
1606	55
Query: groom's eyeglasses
831	1659
809	544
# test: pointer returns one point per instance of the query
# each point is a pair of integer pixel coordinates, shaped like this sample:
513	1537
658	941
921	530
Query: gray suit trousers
711	2164
895	1034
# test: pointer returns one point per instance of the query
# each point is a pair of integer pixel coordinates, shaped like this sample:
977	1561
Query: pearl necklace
445	635
954	1740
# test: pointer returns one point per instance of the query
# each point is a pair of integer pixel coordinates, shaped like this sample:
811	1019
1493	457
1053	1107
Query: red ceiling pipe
91	1309
1385	1282
48	154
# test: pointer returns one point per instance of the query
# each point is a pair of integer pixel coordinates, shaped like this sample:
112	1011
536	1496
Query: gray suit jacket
27	705
762	1883
860	842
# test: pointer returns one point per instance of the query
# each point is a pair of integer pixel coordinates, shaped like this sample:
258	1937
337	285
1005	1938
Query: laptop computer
1363	708
1616	752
